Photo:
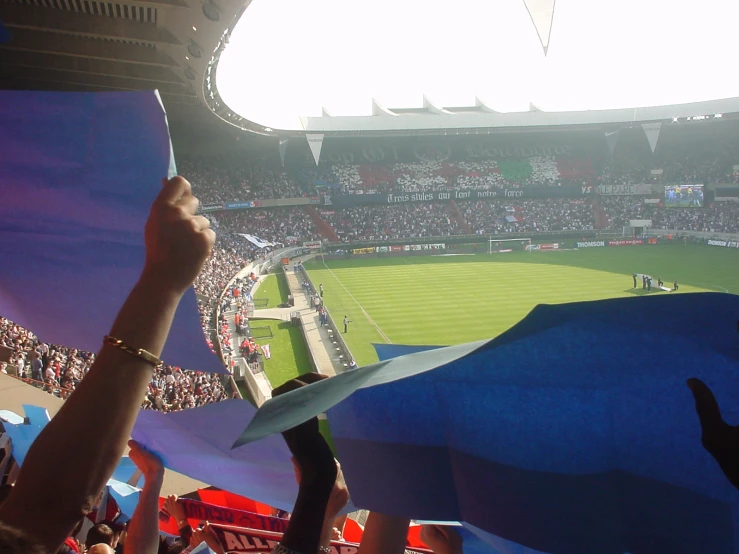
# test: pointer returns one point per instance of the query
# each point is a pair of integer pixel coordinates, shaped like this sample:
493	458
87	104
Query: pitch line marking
372	321
714	286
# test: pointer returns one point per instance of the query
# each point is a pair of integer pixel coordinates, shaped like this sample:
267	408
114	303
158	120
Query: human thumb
706	406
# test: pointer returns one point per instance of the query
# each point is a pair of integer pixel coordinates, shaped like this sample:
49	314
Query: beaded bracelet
148	357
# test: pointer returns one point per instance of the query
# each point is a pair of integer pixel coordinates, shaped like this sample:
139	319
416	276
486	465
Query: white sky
287	58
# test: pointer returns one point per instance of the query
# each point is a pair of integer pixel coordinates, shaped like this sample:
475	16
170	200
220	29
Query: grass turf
444	300
274	289
290	356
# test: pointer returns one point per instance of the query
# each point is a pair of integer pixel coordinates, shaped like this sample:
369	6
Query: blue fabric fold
573	432
78	173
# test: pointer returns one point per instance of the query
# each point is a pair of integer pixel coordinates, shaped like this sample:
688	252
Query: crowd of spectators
717	217
221	266
221	179
231	180
61	369
527	216
399	221
482	218
278	226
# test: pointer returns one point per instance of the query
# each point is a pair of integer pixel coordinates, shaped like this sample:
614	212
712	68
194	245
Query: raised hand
207	536
718	437
175	509
339	494
311	454
177	241
148	462
321	488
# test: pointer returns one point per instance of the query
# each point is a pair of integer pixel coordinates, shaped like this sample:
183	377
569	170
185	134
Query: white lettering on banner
727	243
513	193
627	242
621	190
312	245
587	189
591	244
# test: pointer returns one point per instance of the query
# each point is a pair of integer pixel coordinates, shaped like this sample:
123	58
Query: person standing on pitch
320	288
674	286
634	277
346	324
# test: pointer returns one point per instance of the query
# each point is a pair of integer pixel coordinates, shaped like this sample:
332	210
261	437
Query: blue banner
78	174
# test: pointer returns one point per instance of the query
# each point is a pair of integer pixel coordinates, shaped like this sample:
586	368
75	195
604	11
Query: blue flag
197	443
78	174
573	432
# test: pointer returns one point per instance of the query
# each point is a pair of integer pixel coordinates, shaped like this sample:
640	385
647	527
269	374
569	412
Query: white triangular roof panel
542	15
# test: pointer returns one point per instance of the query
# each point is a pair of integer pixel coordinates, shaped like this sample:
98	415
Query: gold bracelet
148	357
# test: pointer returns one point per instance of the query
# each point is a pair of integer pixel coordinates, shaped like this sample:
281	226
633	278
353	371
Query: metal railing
52	388
337	337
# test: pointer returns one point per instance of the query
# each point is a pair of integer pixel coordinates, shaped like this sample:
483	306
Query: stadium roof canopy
332	65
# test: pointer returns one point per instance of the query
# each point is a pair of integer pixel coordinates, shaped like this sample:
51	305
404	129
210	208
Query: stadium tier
563	159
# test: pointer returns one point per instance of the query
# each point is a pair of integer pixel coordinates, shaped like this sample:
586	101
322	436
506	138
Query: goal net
509	245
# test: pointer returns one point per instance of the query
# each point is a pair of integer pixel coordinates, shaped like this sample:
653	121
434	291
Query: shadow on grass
643	292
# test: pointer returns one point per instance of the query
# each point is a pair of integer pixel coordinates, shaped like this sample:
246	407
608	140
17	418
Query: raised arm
143	531
322	493
53	492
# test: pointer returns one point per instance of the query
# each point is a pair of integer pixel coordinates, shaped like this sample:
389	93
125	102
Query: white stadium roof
403	65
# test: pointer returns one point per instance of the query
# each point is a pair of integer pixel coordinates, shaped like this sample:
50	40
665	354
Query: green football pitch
443	300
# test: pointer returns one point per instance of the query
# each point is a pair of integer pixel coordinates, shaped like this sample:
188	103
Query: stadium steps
324	228
601	218
458	216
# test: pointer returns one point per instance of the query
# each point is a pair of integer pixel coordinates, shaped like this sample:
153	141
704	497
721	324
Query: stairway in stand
466	229
324	228
601	218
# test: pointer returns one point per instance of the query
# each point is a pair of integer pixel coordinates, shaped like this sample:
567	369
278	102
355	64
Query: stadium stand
285	226
225	179
380	223
530	216
717	217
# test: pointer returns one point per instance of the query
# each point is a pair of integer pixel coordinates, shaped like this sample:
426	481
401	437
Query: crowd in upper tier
679	158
